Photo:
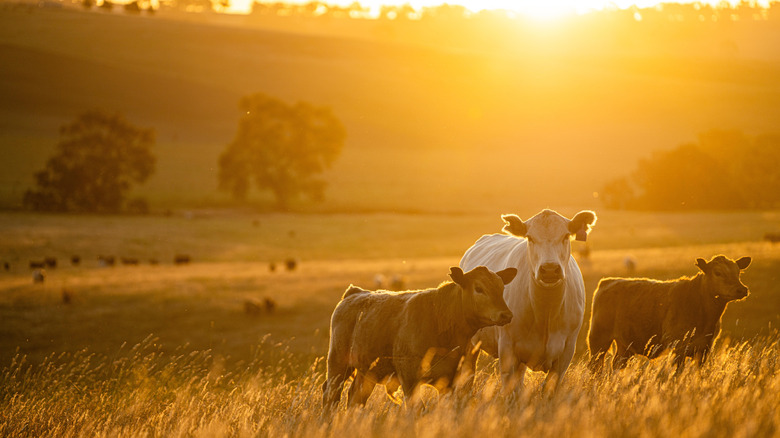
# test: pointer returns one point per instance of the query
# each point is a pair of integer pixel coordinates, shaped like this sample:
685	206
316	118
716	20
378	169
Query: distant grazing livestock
630	265
39	275
6	266
291	264
75	260
647	317
181	259
379	281
269	304
255	308
772	237
252	307
67	296
411	337
397	282
106	261
547	297
34	264
51	262
130	261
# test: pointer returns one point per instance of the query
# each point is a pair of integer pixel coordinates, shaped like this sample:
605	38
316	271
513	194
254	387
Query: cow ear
702	264
514	225
584	220
507	275
456	274
743	263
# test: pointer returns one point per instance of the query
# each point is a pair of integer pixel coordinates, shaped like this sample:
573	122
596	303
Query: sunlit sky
538	9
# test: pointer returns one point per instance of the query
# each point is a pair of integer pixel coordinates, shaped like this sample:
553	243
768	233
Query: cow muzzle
549	275
503	318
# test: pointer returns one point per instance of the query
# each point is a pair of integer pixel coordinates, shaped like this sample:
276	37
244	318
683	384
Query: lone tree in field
725	169
281	148
97	160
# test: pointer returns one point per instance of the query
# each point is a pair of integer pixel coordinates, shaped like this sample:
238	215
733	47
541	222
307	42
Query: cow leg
512	370
412	397
334	384
551	381
360	390
598	346
621	357
464	377
702	355
391	386
559	367
678	357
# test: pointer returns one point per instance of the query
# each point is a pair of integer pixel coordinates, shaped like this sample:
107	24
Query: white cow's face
549	242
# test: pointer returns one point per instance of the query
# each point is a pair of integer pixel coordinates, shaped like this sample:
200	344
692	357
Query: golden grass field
168	350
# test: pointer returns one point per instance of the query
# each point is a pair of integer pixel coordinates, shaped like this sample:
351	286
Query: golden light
539	10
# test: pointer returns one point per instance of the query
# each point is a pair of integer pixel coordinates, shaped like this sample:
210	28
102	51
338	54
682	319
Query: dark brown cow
411	337
647	317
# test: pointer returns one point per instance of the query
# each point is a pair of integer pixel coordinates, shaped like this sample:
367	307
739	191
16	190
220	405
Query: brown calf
411	337
647	317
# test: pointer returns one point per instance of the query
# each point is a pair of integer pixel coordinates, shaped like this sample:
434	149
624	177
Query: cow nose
550	272
505	317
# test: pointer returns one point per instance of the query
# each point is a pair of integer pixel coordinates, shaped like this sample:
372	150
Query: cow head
483	293
549	242
721	276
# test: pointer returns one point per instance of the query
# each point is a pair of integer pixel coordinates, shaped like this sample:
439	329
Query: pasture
168	350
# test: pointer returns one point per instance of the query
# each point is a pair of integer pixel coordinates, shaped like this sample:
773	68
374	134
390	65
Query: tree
726	169
281	148
685	178
97	160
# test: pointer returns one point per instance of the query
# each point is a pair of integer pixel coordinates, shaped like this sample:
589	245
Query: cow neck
546	303
449	313
696	298
712	304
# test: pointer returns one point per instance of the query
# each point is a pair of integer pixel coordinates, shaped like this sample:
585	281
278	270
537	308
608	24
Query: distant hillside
542	122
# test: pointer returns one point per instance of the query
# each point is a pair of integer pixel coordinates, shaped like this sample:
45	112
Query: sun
545	10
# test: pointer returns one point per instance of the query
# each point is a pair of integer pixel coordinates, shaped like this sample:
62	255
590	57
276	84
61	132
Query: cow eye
717	273
479	290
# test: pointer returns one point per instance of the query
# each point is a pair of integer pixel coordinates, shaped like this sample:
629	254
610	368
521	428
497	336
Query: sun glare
541	10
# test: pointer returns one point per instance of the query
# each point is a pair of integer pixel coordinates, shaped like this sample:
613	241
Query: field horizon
173	350
231	264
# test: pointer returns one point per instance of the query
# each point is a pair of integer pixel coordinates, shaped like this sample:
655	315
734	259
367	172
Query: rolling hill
431	126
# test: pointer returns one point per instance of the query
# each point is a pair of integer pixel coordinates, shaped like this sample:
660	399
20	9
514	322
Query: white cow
547	297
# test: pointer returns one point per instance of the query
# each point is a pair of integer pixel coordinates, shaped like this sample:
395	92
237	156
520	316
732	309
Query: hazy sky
542	9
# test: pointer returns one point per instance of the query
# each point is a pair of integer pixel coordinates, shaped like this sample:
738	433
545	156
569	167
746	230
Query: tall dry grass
141	391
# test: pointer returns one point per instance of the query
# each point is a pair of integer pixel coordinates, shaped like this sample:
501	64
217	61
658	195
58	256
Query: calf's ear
507	275
456	274
514	225
584	220
702	264
744	262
